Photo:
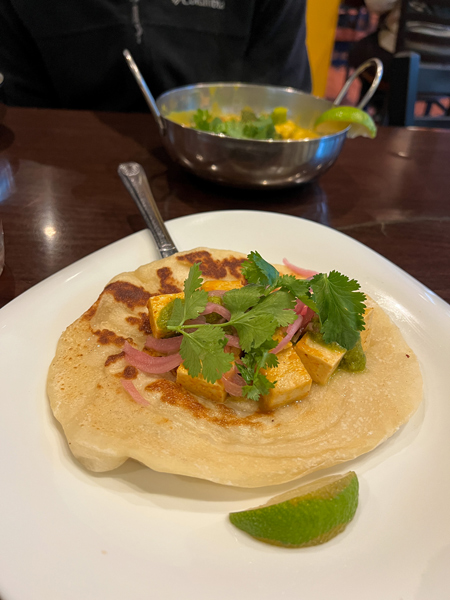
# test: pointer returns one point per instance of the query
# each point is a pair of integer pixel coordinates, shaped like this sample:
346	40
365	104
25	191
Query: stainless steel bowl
242	162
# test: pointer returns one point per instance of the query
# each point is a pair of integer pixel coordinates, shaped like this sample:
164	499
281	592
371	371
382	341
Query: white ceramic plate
132	533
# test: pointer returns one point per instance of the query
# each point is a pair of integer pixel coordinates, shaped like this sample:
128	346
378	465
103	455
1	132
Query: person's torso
174	42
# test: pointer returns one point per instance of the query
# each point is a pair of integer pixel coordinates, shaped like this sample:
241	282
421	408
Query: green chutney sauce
354	360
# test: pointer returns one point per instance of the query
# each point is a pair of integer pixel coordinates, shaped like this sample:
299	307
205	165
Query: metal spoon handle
135	180
145	91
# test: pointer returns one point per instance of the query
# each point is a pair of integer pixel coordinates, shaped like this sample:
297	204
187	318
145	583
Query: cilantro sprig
334	297
255	315
259	272
202	348
256	381
256	311
248	126
259	321
195	299
340	308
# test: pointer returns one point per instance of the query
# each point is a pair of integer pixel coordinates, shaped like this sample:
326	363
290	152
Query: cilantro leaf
256	270
190	353
259	324
277	305
299	288
202	120
203	352
254	329
195	304
194	301
240	300
177	317
193	281
217	125
260	386
340	308
250	369
247	126
261	128
234	128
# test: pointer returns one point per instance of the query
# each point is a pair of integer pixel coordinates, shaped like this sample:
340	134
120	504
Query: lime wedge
339	117
306	516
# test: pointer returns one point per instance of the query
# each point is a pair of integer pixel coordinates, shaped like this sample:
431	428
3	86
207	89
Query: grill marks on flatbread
231	443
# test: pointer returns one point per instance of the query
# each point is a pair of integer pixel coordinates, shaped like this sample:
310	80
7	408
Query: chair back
410	80
424	27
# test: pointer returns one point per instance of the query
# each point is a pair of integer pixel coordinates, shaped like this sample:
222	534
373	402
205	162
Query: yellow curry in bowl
247	125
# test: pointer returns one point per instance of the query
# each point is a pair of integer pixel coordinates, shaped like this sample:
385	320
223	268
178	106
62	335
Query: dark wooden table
61	197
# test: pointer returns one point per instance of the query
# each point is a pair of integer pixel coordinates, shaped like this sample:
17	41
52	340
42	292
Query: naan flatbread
230	443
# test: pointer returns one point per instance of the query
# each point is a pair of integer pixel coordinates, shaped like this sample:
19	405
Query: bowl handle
145	92
375	83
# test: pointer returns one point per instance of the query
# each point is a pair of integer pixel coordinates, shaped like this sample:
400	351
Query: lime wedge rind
339	117
308	519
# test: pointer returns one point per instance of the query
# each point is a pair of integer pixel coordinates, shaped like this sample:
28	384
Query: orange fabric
321	23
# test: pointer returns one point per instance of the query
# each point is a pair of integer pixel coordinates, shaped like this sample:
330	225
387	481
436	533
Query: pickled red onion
306	312
151	364
305	273
233	340
167	345
129	387
292	328
233	382
198	321
217	308
299	307
307	315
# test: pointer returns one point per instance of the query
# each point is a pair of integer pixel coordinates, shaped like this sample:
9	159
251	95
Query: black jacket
68	53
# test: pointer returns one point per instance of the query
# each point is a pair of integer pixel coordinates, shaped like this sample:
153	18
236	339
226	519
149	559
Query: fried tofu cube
157	314
220	284
293	381
201	387
321	360
365	334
